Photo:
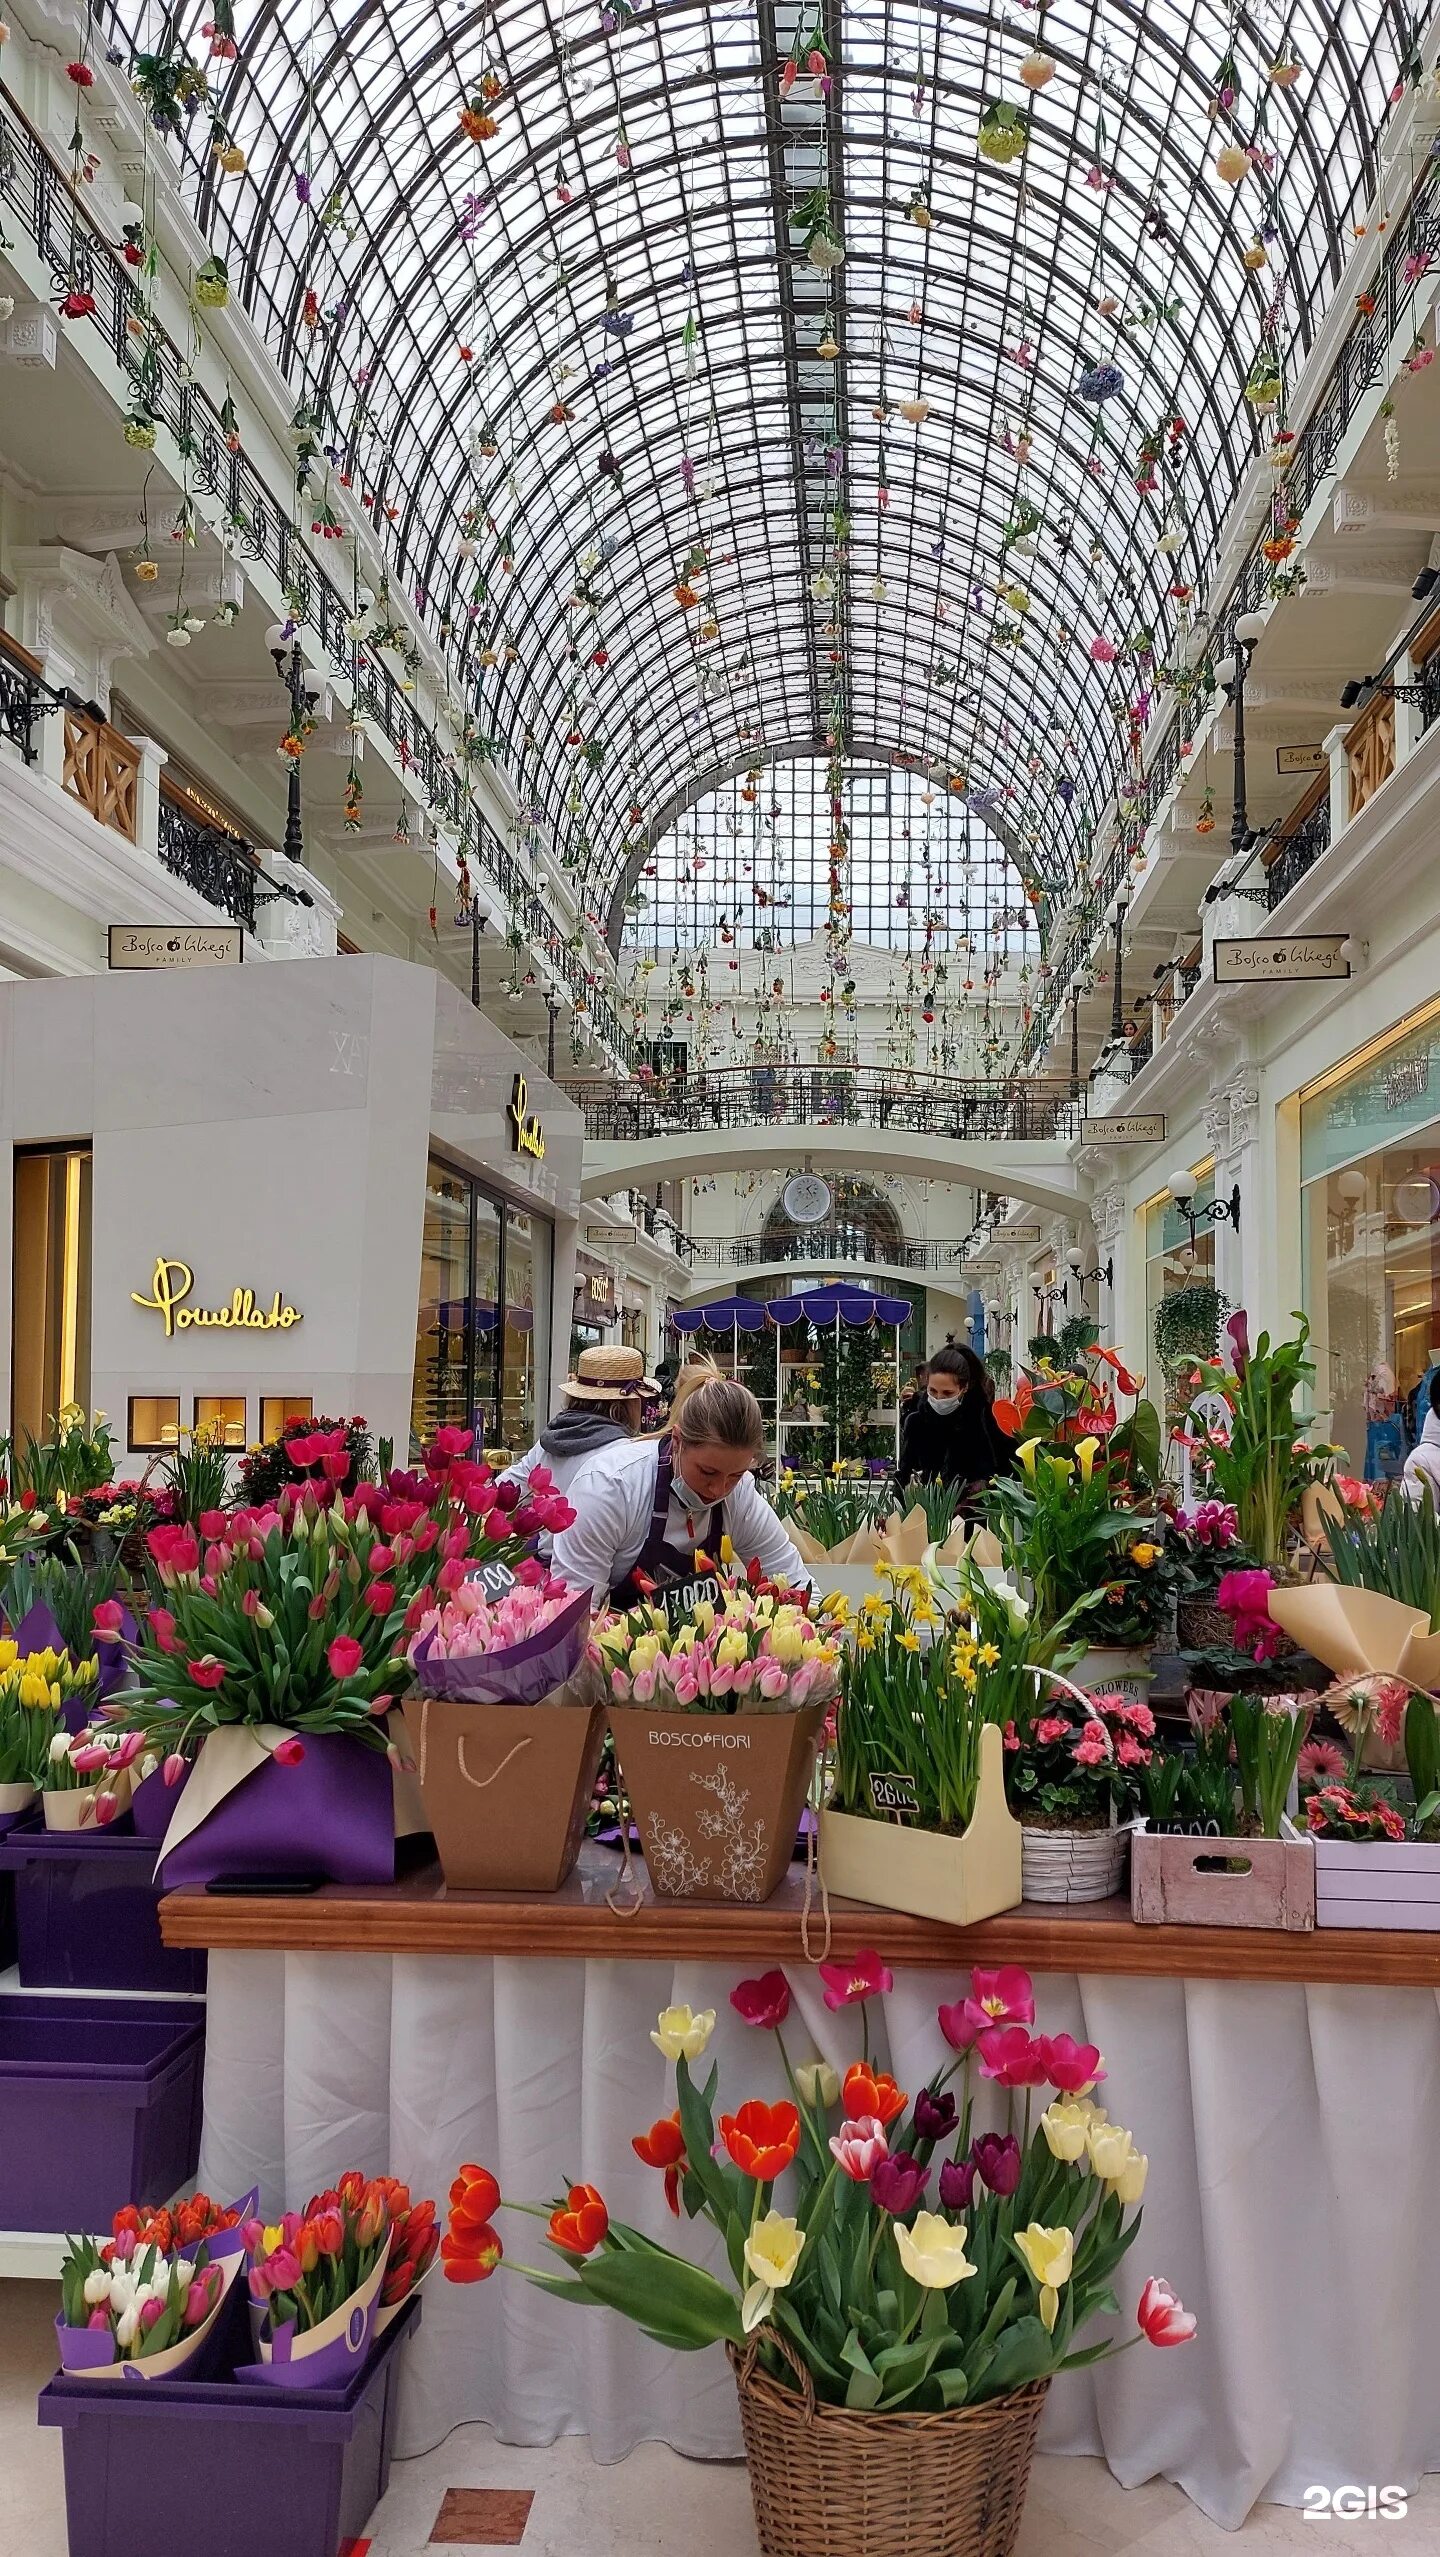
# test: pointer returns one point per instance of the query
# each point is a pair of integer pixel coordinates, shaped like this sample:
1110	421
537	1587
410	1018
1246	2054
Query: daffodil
932	2251
908	1641
682	2035
772	2251
987	1655
1049	2254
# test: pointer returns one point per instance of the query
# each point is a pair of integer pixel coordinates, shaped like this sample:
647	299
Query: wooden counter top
419	1915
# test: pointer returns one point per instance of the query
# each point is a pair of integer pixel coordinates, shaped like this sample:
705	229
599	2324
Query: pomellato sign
171	1286
527	1136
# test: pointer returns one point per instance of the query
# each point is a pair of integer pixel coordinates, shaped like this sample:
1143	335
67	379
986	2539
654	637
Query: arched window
861	1226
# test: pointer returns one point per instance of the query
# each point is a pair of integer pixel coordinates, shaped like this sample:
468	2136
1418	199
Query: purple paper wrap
114	1657
524	1674
153	1801
333	1813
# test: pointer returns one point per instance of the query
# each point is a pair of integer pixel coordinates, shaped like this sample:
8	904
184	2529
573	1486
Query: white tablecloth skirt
1293	2137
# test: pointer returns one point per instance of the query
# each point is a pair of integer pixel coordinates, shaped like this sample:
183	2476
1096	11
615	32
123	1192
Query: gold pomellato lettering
172	1283
526	1134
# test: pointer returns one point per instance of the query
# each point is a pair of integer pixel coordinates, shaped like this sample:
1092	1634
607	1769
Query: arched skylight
574	364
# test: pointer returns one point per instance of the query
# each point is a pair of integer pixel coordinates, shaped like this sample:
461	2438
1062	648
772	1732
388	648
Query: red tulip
474	2197
207	1672
344	1656
580	2229
108	1618
1160	2316
761	2138
1069	2065
471	2259
870	2091
847	1983
288	1753
162	1626
764	2002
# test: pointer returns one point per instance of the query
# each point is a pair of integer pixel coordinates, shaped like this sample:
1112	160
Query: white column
1112	1224
1334	745
153	760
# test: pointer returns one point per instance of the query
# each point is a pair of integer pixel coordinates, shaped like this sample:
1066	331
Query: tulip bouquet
35	1688
333	2273
473	1625
86	1776
746	1650
150	2289
900	2255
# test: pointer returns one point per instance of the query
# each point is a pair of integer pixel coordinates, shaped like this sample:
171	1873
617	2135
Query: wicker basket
830	2483
1202	1626
1073	1864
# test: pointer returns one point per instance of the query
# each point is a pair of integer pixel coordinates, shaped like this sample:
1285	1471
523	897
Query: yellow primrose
772	2251
1086	1451
1144	1555
932	2251
1049	2254
1065	2128
1130	2183
680	2034
819	2084
1110	2150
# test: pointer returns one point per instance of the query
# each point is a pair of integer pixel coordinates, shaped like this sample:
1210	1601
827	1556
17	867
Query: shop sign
171	1285
595	1298
1301	759
1118	1130
157	945
526	1134
1294	958
1408	1081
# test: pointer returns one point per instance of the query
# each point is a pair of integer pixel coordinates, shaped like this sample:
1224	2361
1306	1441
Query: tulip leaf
865	2384
678	2302
953	2386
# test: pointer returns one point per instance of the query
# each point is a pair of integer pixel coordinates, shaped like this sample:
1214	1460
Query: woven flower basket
1202	1626
1073	1864
830	2483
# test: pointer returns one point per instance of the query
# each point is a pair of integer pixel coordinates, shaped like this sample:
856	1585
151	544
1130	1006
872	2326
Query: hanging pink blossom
1103	651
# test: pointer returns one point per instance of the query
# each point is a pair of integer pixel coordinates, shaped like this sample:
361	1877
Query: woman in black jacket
952	1435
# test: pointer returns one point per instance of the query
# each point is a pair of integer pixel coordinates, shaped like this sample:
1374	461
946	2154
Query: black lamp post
1181	1186
284	647
1231	672
1075	1263
1117	999
553	1008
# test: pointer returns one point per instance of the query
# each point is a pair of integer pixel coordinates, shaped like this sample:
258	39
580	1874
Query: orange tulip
580	2228
474	2198
762	2138
472	2258
868	2090
663	2145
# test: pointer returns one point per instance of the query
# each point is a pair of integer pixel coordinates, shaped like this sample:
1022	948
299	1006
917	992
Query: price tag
681	1602
894	1794
495	1579
1184	1829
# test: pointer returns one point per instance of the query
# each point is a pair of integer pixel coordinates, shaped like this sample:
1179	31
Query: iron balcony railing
24	700
37	192
826	1096
220	867
824	1246
1298	852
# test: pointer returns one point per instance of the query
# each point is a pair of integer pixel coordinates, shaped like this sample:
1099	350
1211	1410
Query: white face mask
943	1403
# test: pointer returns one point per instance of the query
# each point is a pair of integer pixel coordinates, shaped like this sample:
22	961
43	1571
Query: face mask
943	1403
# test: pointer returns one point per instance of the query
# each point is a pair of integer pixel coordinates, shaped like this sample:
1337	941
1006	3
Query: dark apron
659	1565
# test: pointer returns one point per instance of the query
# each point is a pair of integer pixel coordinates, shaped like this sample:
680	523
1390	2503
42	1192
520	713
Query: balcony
196	846
825	1246
825	1096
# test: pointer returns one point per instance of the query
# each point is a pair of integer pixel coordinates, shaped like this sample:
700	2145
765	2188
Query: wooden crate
1378	1883
1222	1882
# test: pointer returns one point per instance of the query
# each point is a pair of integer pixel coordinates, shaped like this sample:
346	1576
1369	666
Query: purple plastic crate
87	1911
211	2469
100	2104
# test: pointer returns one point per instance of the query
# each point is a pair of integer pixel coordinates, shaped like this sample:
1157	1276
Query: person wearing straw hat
600	1407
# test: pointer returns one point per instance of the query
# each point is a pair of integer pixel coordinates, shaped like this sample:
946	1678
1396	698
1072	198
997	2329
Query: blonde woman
644	1511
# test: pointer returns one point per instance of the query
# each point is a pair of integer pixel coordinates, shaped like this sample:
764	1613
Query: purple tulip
934	2115
957	2184
898	2183
998	2161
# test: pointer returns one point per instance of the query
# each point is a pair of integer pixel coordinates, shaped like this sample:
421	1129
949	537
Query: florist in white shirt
644	1509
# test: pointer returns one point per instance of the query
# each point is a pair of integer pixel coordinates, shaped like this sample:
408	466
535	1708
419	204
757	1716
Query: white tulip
97	2287
59	1747
128	2329
184	2272
122	2291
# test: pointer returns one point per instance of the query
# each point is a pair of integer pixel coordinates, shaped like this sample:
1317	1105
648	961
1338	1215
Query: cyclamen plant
898	2276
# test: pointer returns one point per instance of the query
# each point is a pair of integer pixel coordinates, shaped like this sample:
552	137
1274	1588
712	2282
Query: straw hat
608	1376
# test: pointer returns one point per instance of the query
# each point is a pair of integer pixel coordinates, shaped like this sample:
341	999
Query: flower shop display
901	2285
916	1817
853	1567
34	1687
1073	1768
144	2302
717	1718
100	2104
319	2278
507	1726
276	1653
1246	1864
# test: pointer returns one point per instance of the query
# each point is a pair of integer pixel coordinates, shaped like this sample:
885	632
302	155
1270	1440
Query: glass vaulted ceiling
574	364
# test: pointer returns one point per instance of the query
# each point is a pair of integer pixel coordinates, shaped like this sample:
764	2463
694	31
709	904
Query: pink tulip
106	1809
108	1617
89	1760
128	1750
848	1983
1071	2067
124	2246
344	1656
764	2002
1161	2317
151	2314
1005	1995
1008	2055
859	2146
288	1753
200	2298
98	2321
162	1626
960	2024
173	1771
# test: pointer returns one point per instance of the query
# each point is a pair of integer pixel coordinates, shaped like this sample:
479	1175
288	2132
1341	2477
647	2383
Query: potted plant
717	1703
1072	1779
1251	1867
1186	1324
1066	1526
916	1816
1258	1458
900	2287
507	1727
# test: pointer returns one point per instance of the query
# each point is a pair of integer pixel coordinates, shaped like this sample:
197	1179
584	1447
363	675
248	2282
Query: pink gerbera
1320	1763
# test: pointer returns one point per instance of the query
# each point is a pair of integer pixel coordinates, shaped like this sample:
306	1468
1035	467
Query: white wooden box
1378	1883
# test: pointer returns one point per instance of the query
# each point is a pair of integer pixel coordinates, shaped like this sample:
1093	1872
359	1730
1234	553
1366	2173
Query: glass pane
154	1423
277	1409
524	1240
1373	1292
50	1355
484	1414
221	1418
441	1393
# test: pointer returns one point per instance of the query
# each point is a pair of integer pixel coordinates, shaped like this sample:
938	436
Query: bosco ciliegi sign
1281	958
163	945
1114	1129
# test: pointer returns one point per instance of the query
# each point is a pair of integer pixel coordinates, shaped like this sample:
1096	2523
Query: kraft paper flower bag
259	1801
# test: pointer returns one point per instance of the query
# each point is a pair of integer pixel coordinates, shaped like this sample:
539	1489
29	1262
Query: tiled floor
557	2503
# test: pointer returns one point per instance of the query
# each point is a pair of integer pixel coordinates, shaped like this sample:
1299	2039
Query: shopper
952	1436
600	1407
644	1511
1422	1465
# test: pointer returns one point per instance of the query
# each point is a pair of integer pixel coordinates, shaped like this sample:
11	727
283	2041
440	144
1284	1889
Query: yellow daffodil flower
987	1655
1049	2254
772	2251
907	1642
1065	2128
932	2251
680	2034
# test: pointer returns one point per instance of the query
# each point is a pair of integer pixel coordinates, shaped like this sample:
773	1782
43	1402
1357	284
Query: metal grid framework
622	250
747	866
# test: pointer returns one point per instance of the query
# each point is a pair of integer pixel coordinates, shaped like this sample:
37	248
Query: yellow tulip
681	2035
1086	1451
1130	2183
1110	2148
933	2251
1065	2128
727	1552
772	2251
1049	2254
819	2084
9	1653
